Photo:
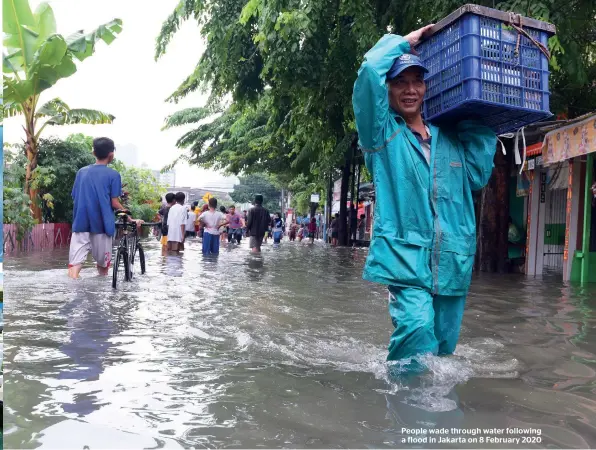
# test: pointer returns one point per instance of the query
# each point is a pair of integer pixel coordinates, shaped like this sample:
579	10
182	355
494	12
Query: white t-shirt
190	221
212	220
176	217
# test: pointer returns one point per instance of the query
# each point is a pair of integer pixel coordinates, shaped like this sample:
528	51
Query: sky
123	79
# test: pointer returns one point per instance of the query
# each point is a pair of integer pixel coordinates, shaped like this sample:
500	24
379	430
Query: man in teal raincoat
424	236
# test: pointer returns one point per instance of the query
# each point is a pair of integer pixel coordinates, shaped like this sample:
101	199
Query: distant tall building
128	154
226	185
166	179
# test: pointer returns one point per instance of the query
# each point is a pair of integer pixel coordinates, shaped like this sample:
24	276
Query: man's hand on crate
415	37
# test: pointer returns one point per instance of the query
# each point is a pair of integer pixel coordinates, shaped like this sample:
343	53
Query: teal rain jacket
424	231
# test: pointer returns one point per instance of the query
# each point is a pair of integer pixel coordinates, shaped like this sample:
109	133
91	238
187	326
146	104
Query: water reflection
283	349
256	267
174	266
87	348
405	413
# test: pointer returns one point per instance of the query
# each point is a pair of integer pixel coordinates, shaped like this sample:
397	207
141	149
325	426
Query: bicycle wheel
132	255
141	257
121	268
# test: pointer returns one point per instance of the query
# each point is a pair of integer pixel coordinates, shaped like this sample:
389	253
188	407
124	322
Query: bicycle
128	247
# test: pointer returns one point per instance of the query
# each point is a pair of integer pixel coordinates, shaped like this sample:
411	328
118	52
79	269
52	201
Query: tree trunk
343	199
329	200
31	153
493	219
488	228
351	226
357	165
501	176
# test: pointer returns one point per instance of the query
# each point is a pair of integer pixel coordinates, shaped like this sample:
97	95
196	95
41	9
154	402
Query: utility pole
351	237
345	181
328	206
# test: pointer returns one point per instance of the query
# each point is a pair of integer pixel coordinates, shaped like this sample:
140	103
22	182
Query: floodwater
283	350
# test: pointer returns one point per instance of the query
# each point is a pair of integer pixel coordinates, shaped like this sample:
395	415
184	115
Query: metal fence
554	229
45	236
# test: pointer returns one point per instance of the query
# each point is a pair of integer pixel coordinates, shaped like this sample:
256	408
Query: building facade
560	204
166	178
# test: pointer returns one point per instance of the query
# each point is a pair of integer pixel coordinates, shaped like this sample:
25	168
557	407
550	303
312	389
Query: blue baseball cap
403	62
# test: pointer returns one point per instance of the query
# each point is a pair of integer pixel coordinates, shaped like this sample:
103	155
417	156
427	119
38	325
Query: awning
570	141
535	149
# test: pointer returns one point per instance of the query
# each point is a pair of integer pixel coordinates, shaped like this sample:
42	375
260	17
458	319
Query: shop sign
337	190
573	140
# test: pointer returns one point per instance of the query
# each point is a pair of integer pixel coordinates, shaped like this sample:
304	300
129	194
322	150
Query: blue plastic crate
474	71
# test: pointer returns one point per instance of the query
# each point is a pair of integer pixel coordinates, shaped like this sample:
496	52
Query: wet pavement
282	350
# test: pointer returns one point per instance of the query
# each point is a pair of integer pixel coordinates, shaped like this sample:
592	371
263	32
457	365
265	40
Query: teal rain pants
423	323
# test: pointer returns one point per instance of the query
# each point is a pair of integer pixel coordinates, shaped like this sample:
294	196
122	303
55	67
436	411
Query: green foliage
36	57
14	166
59	162
303	187
63	158
144	191
144	212
41	180
258	183
54	177
16	202
17	210
290	67
59	113
82	140
141	184
573	48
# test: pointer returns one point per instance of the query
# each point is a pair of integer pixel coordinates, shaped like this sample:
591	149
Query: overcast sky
123	79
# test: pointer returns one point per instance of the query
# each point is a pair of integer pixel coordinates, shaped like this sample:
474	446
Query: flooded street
283	350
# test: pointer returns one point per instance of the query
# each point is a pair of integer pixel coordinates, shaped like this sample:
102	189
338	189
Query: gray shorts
255	242
100	246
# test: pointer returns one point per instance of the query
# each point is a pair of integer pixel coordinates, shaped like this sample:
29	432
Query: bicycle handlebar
133	223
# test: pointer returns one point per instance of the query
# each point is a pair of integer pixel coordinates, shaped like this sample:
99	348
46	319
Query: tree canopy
54	176
63	158
144	191
289	67
36	58
254	184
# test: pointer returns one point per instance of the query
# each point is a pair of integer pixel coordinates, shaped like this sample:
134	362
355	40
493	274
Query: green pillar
587	220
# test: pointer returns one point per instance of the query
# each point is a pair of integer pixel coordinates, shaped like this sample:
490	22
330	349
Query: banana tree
35	58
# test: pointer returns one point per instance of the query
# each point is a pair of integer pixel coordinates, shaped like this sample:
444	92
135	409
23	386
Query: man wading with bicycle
95	193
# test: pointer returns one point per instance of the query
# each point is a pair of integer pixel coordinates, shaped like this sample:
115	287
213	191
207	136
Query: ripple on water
284	349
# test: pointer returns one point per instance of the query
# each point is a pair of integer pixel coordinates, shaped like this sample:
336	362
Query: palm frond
81	116
188	116
82	44
173	163
182	12
11	109
53	107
